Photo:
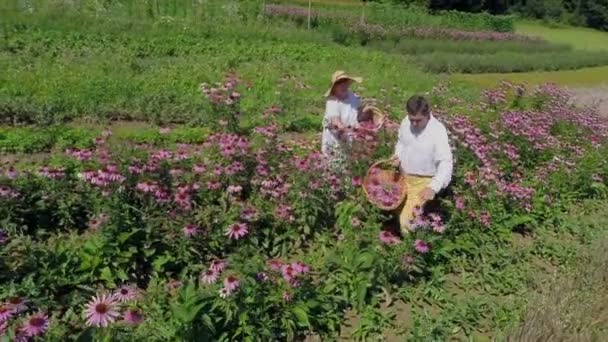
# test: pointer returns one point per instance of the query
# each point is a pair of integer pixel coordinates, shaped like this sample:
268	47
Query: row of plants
393	16
248	237
425	46
506	61
62	137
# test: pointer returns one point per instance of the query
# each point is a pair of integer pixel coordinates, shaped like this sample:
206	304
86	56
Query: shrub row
413	46
505	62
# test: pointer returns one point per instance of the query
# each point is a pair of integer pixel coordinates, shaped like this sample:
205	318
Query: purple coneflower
36	324
19	304
231	283
6	311
218	265
132	316
209	276
289	273
190	230
101	311
388	238
126	293
237	231
301	267
421	247
287	296
275	264
3	328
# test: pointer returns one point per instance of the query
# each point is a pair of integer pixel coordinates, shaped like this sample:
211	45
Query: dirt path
593	96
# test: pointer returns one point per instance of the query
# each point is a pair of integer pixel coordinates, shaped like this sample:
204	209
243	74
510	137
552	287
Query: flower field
243	236
161	179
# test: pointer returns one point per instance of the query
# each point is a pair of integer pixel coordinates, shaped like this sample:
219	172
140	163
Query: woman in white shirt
341	113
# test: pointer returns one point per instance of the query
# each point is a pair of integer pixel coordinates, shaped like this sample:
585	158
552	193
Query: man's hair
418	105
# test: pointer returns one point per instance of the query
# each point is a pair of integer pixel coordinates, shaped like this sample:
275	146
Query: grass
578	37
580	77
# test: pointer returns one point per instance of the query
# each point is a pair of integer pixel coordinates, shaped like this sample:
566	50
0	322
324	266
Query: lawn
577	37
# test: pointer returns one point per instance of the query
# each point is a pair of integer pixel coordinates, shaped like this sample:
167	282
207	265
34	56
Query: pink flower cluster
52	173
104	177
387	194
225	93
291	272
6	192
453	34
230	145
30	327
104	309
80	154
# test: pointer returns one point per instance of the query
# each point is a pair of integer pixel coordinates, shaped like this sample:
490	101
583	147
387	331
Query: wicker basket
378	116
384	176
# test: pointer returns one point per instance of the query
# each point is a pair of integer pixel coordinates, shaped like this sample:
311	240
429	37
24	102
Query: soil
595	96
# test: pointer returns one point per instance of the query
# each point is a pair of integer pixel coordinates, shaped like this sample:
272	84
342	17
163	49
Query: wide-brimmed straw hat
340	76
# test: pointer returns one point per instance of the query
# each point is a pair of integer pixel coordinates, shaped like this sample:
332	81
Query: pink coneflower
133	316
234	189
209	276
231	283
407	261
190	230
218	265
459	202
355	222
3	328
421	247
198	169
101	311
438	227
301	267
173	285
388	238
275	264
287	296
36	324
249	214
357	181
237	231
126	293
19	304
289	273
164	130
6	311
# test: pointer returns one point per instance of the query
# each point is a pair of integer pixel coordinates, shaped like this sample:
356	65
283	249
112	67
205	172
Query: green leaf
301	316
106	274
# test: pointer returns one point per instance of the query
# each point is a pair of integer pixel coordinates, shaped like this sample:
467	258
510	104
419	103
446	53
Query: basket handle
378	163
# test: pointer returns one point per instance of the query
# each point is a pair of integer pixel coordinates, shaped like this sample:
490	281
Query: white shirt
426	153
345	110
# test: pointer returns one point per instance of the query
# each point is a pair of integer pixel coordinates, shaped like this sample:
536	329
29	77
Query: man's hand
427	194
395	162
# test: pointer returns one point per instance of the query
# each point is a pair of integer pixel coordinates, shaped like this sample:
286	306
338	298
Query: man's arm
444	159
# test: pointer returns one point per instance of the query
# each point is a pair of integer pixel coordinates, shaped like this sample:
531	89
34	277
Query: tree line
592	13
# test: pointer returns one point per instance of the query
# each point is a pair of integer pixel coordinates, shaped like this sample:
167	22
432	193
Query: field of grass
578	37
217	217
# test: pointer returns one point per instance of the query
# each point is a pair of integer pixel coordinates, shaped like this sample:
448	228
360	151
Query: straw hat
339	76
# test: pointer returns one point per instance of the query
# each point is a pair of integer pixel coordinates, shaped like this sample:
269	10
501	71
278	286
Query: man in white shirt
424	155
341	113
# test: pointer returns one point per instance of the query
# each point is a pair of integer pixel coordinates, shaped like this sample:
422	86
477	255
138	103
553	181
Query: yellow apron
415	184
